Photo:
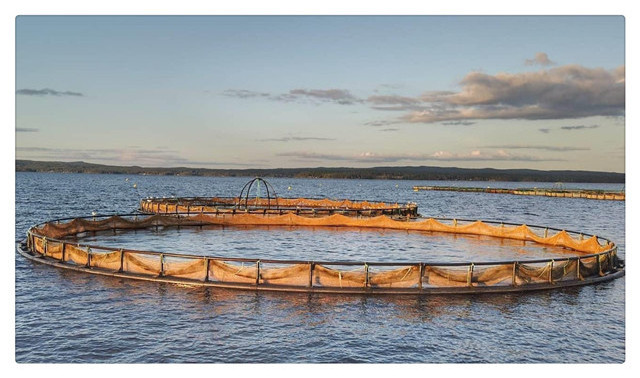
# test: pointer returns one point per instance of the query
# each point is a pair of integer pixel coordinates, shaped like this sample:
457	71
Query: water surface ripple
64	316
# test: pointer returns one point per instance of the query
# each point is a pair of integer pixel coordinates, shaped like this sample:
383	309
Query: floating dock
546	192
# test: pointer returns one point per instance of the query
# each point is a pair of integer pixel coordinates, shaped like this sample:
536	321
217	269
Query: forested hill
398	173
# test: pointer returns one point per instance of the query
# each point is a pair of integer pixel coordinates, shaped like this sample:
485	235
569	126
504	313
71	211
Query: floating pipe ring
596	258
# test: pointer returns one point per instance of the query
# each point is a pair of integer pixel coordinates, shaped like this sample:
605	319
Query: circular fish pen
271	204
594	259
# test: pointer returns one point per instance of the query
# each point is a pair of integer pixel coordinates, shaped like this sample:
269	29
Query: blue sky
267	92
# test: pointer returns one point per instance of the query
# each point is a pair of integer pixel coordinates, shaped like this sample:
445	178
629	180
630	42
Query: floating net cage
593	259
271	204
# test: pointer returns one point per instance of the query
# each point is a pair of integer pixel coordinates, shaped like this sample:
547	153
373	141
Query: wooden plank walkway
546	192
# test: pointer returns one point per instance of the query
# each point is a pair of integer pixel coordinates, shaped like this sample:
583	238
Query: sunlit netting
275	206
594	259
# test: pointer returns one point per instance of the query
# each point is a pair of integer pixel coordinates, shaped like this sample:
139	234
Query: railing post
257	272
551	271
206	277
64	250
161	265
514	273
121	260
470	275
421	274
610	265
599	265
311	267
578	275
88	257
366	275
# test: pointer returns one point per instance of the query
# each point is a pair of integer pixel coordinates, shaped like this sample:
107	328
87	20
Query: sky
539	92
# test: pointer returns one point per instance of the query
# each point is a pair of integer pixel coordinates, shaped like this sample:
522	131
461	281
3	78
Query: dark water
65	316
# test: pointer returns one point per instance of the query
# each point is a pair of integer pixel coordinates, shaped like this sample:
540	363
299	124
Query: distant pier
565	193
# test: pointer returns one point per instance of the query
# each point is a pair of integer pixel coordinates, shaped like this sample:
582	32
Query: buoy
135	185
396	185
289	188
127	179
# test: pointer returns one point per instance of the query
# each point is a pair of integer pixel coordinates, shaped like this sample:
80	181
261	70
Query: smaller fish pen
271	204
593	259
552	192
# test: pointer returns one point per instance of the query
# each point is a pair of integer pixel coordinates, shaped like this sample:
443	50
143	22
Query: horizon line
317	167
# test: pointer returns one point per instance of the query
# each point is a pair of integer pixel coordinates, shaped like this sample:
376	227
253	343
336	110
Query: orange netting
523	232
108	260
165	206
45	241
317	275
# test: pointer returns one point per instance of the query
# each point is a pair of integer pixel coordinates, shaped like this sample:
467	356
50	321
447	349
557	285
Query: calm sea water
66	316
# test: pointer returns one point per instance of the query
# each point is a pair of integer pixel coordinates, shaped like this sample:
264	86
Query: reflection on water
64	316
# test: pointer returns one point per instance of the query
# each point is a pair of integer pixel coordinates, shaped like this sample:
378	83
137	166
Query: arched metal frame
245	194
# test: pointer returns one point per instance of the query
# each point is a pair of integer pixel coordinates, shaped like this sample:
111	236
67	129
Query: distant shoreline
375	173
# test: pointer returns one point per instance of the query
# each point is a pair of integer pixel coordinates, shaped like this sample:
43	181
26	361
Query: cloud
118	156
459	123
244	93
339	96
579	127
370	157
315	96
378	123
570	91
392	100
385	88
499	155
541	59
294	139
563	92
395	103
46	92
570	128
435	96
539	147
26	130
